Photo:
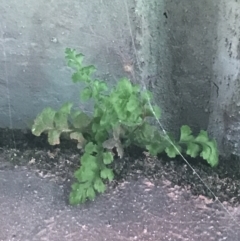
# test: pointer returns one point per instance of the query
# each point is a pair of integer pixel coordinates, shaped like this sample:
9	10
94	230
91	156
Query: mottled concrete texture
187	53
224	122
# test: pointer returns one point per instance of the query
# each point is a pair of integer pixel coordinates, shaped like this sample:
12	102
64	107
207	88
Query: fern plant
118	120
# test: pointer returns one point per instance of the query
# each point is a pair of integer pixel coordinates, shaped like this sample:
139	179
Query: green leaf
210	153
100	136
107	158
136	89
125	86
99	185
74	59
133	103
155	148
97	87
193	149
85	174
107	173
78	174
209	148
95	126
87	71
54	137
108	119
185	135
202	137
66	108
77	77
79	137
91	193
147	131
83	74
134	118
86	94
172	151
77	195
102	86
206	152
80	120
61	121
89	161
91	148
44	121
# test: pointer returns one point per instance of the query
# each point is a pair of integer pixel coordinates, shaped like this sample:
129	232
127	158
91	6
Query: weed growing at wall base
119	120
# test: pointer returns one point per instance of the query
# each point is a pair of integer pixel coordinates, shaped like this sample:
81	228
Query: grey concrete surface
187	54
225	100
32	209
33	38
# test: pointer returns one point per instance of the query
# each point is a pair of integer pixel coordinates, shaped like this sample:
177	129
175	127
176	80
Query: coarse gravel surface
151	198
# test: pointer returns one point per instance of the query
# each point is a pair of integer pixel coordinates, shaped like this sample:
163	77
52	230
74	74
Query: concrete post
224	122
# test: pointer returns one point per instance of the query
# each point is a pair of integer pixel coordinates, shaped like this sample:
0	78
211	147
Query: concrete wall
180	39
191	41
33	38
185	52
224	123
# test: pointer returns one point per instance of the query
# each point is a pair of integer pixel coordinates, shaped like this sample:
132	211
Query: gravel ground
151	199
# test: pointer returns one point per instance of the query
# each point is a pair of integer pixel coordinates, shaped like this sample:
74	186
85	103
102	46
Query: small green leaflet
133	103
107	173
173	151
61	117
91	148
107	158
155	148
210	153
89	161
66	108
79	137
83	74
85	174
90	193
207	148
79	193
80	120
99	185
186	134
54	137
44	121
193	149
86	94
74	59
61	121
124	86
